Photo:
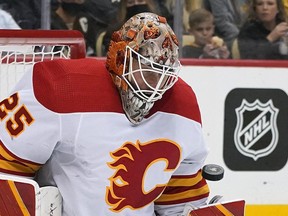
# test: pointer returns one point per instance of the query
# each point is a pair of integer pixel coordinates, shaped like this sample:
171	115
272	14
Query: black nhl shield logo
256	132
256	129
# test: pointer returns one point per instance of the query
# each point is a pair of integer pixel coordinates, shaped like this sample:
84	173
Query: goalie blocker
229	208
24	197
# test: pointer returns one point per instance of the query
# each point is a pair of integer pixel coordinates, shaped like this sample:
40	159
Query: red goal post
20	49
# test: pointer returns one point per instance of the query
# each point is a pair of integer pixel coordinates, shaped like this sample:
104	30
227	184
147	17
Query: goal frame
72	38
20	49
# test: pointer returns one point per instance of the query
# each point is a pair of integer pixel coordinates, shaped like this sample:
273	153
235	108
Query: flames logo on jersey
131	164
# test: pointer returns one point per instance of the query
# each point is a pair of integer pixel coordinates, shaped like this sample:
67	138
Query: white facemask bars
149	80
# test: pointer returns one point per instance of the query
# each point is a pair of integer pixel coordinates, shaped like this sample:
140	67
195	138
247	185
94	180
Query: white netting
20	49
15	60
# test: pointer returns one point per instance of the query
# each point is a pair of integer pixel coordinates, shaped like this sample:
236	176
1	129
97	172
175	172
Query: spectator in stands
72	15
285	3
205	45
64	16
189	6
90	17
93	22
102	10
261	36
229	15
7	21
127	9
26	13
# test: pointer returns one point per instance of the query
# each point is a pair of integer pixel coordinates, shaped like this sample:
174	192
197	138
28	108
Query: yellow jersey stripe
10	156
16	167
182	182
4	154
11	163
184	195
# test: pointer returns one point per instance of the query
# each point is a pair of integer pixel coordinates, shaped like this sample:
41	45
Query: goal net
21	49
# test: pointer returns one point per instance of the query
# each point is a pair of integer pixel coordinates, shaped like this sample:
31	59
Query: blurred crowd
222	29
238	29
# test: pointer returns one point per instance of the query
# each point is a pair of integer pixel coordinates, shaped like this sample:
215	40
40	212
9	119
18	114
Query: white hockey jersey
64	125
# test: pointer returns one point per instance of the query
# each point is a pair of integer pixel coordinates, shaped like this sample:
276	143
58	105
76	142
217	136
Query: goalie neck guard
143	62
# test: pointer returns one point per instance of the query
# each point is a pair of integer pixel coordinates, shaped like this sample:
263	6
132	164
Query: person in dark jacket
26	13
262	35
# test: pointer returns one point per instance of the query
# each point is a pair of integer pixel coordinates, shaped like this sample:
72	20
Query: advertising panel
245	123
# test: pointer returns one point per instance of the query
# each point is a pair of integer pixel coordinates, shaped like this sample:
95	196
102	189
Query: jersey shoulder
180	100
78	85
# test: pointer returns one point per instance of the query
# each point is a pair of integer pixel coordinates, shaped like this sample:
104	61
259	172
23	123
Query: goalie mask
143	62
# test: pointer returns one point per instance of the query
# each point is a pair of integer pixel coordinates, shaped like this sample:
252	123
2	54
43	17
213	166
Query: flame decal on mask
131	162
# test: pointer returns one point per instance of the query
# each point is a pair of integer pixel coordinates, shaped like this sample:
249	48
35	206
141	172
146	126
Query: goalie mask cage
21	49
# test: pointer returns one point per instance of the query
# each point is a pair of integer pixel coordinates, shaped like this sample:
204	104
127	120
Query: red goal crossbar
20	49
72	38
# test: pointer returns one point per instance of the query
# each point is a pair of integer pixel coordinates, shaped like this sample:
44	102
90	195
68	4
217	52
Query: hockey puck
212	172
